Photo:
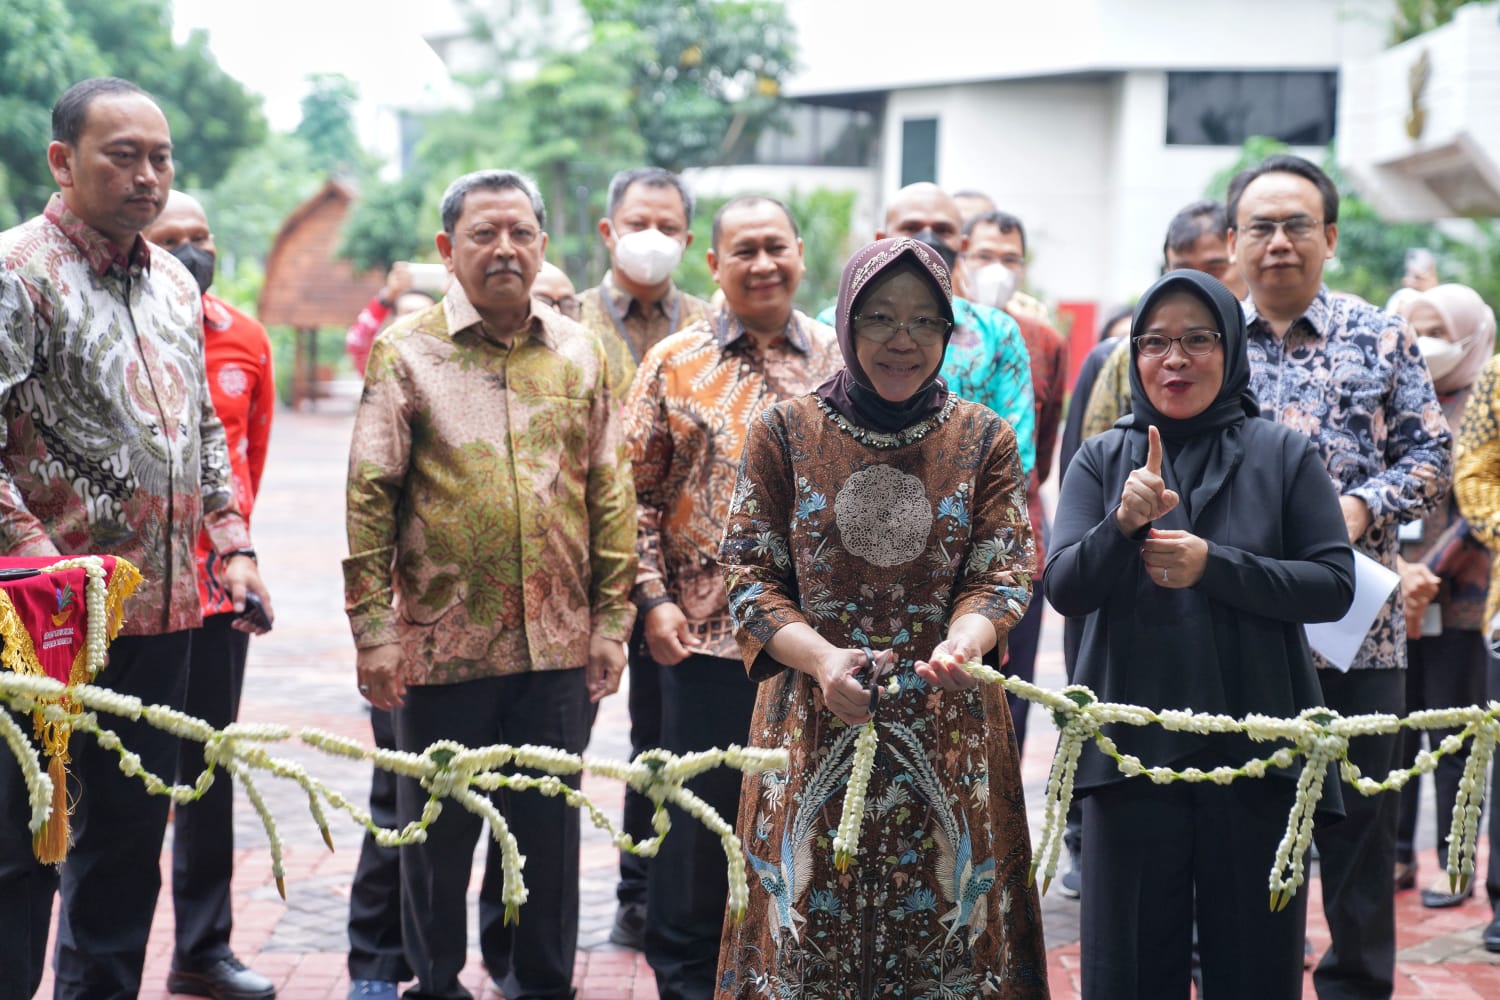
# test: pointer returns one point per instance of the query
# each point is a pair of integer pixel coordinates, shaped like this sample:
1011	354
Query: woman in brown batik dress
879	527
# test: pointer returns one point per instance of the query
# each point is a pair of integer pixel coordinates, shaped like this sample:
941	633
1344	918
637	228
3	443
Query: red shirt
237	353
1049	372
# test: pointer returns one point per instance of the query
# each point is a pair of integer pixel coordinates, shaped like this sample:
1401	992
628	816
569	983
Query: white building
1092	120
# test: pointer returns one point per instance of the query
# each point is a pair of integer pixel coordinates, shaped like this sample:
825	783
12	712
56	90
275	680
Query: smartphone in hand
255	613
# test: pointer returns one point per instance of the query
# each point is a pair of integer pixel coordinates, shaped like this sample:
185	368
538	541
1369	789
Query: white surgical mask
992	285
648	257
1442	356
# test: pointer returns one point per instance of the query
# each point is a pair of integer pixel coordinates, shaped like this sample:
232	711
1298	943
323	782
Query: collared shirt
491	514
1476	478
110	443
628	328
987	363
237	355
1350	377
685	423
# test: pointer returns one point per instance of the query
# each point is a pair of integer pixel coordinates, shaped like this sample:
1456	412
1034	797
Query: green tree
390	222
710	81
41	54
1416	17
327	125
213	117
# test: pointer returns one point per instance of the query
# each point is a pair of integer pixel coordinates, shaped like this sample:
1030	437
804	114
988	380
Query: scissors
874	681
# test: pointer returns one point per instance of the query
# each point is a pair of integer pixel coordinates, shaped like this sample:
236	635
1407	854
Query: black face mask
943	250
200	264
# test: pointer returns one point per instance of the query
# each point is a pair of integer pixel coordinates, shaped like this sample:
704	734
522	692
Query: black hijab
1203	450
850	390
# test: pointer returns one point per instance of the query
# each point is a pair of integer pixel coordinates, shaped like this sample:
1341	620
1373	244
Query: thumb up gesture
1145	496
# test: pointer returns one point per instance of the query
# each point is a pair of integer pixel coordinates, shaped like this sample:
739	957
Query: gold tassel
50	845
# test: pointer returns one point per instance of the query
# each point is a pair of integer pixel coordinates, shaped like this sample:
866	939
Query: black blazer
1278	556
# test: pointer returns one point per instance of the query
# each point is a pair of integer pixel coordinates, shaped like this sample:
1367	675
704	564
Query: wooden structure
308	287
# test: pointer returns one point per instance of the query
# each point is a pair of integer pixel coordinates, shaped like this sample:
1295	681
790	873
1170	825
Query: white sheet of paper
1338	642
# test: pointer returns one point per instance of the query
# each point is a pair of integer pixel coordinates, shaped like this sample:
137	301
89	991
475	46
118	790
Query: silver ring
1164	575
364	689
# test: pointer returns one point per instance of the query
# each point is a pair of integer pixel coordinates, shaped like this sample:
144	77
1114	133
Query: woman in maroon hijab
878	531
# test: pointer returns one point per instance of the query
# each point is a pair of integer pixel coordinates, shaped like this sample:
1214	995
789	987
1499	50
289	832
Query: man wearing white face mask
635	306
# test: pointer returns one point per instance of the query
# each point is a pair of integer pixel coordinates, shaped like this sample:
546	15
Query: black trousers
547	708
1492	875
706	702
1160	858
645	733
112	876
1442	671
1022	644
203	831
1357	855
375	896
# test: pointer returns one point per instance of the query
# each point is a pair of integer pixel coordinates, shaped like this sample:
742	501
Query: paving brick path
303	675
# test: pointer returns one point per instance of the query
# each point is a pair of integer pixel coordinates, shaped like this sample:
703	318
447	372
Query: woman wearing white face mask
1444	573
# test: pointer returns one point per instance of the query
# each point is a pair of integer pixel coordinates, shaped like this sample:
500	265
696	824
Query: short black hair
1206	216
651	177
746	201
1003	221
1284	163
72	108
490	180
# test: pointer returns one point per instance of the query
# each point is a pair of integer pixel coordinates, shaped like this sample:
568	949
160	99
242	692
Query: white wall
885	44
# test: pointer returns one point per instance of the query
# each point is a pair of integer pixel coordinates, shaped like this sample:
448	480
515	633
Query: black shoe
226	979
1437	899
629	930
1406	875
1491	936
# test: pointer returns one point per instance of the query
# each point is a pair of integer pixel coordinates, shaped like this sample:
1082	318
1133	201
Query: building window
1225	109
918	150
812	135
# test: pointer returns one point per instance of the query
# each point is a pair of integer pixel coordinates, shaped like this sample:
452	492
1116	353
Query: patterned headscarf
851	392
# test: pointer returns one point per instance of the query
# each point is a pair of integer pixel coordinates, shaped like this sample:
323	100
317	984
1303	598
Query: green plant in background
1416	17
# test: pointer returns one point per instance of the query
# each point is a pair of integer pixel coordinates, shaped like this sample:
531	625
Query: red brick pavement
302	675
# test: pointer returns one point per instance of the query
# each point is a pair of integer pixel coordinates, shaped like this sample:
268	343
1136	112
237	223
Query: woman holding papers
1197	539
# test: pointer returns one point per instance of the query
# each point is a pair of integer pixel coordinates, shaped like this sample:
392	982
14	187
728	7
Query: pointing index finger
1153	450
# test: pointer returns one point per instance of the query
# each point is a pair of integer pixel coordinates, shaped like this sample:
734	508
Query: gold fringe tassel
50	844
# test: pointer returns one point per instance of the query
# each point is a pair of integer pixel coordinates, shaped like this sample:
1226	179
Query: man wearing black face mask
237	353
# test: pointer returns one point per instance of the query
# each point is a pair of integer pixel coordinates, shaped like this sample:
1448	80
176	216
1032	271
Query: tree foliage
48	45
327	126
1416	17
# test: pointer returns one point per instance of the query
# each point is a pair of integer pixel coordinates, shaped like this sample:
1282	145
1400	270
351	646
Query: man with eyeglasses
685	422
1351	378
554	288
491	522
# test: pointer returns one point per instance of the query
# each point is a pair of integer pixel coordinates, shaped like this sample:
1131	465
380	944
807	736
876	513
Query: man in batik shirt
685	423
646	228
491	525
109	445
1351	378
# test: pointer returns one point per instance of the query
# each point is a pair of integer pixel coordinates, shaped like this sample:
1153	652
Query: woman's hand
843	692
944	669
1145	496
1174	559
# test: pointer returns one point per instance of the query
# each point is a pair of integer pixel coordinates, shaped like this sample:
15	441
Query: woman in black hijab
1197	538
